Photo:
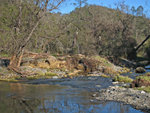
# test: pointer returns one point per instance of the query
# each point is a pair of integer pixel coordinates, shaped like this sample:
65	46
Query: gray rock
94	95
55	77
98	98
143	92
98	85
92	100
138	99
33	70
140	70
115	82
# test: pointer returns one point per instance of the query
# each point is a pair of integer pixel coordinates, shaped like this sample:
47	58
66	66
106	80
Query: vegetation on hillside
87	30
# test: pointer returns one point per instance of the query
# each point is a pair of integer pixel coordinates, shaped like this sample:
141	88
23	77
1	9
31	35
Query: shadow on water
56	98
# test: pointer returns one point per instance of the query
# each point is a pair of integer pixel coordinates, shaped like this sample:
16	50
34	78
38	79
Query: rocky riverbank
138	99
44	66
36	66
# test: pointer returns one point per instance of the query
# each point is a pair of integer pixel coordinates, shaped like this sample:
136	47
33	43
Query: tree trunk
142	43
16	58
15	62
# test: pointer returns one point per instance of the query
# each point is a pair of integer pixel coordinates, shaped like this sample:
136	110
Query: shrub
105	76
146	89
124	79
50	74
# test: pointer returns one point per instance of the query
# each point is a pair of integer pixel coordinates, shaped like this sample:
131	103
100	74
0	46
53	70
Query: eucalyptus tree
22	20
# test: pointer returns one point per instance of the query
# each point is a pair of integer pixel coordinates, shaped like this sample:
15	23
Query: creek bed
58	96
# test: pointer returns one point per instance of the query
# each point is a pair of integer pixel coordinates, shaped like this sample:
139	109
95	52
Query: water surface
62	96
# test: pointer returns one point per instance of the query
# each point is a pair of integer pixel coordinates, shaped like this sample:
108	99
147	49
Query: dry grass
41	76
102	61
8	78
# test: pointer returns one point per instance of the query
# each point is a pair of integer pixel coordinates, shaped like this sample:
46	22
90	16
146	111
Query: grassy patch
4	55
14	78
105	76
50	74
109	70
146	89
124	70
41	75
104	61
144	77
124	79
8	80
33	77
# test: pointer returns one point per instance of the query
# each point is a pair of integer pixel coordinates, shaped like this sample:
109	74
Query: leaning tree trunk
15	62
133	53
16	58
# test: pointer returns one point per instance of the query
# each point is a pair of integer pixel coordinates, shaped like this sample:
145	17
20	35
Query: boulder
51	59
140	70
39	62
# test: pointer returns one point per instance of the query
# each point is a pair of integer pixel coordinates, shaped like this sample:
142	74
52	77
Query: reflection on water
147	68
24	98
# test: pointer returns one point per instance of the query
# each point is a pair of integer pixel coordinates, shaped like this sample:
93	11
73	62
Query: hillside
87	30
97	30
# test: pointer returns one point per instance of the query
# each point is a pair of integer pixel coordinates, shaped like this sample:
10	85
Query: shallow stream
58	96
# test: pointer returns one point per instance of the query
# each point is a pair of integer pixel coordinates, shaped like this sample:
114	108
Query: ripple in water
25	98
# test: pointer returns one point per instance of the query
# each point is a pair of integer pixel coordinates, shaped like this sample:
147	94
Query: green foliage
144	77
41	75
50	74
120	78
87	30
105	76
13	78
4	55
146	89
15	24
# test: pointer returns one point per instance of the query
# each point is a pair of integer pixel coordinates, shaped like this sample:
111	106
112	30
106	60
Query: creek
58	96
